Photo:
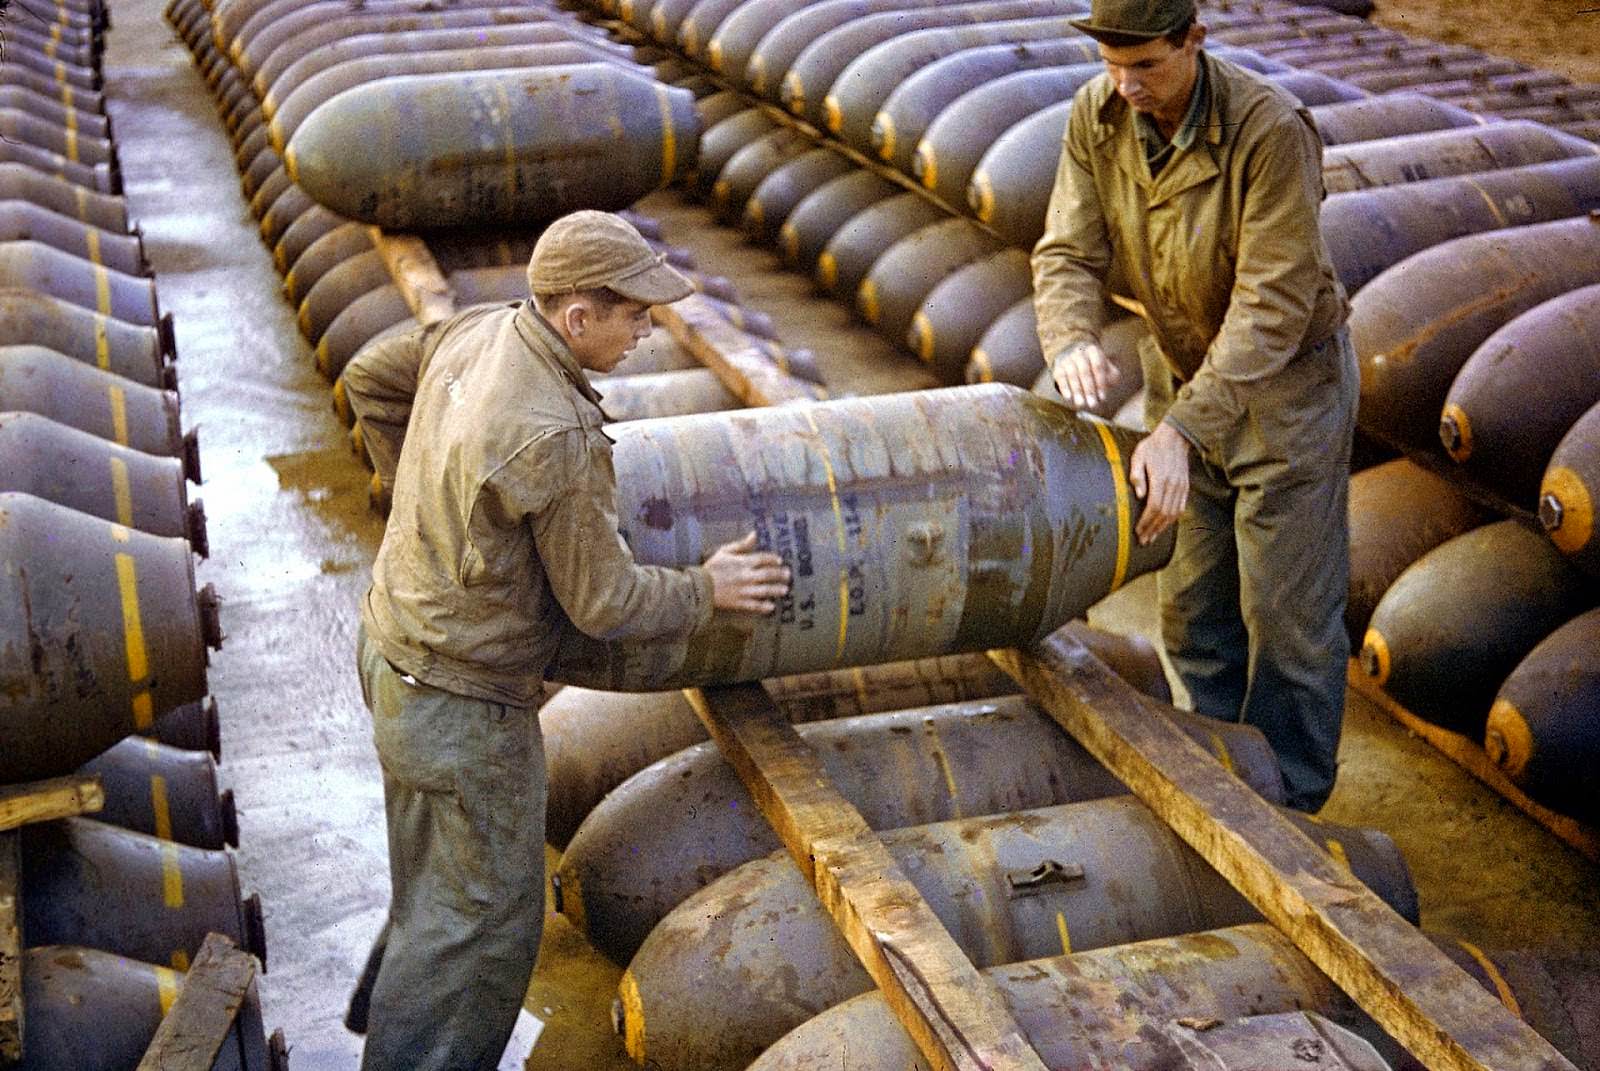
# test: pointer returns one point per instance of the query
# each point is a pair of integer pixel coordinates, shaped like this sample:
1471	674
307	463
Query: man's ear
574	317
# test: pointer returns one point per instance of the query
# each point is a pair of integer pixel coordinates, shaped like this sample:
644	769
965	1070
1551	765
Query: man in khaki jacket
1198	185
502	536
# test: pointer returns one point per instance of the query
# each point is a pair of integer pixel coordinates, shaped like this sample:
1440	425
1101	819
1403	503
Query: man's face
1155	77
609	333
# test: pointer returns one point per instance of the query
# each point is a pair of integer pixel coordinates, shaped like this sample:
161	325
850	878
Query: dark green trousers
1252	603
464	792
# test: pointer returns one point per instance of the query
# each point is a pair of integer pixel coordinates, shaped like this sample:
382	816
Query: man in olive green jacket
1198	186
501	538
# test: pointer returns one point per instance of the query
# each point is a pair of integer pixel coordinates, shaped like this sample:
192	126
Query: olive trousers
1252	602
464	793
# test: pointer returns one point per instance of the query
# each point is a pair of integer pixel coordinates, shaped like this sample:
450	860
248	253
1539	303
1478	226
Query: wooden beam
952	1012
41	801
214	988
742	367
10	947
427	292
1409	987
1472	758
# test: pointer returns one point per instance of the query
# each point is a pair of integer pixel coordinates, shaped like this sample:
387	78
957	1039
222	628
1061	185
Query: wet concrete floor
292	540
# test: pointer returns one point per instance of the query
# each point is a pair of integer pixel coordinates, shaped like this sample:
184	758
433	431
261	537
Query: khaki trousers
1252	602
464	792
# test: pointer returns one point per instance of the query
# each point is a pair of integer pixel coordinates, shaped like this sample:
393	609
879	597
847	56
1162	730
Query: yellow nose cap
1375	656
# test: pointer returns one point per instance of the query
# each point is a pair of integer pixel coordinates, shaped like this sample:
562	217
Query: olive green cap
1135	18
592	250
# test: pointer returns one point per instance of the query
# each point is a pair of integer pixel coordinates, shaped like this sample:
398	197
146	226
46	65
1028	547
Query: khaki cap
1135	18
592	250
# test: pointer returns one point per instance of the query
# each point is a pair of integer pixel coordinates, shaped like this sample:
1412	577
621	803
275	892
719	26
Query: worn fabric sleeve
380	382
592	572
1072	258
1276	281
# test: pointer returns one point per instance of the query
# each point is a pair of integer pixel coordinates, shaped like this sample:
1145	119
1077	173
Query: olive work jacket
1222	248
503	532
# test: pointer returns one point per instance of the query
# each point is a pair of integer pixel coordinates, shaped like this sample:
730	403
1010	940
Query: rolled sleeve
1072	258
1277	278
591	570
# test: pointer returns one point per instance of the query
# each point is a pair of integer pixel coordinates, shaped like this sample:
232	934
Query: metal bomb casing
1569	490
102	632
486	147
915	524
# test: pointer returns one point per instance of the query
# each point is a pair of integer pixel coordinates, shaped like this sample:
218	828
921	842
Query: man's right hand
1084	375
745	579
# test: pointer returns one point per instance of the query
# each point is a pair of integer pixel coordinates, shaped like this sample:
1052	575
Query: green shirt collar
1157	149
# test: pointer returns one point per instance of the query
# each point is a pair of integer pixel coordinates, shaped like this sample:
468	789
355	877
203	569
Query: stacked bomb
1509	386
275	66
107	633
970	102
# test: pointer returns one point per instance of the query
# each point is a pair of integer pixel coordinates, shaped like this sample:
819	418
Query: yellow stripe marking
166	988
102	290
1336	850
67	96
132	626
867	300
1119	481
669	136
978	364
884	124
949	779
1508	998
171	876
72	142
144	712
119	413
1219	747
61	72
859	680
983	204
91	237
121	492
922	331
838	523
180	960
51	47
1066	938
714	54
55	31
159	806
928	165
102	344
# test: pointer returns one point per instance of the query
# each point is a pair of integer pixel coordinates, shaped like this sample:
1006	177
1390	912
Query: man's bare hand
1160	476
745	579
1084	375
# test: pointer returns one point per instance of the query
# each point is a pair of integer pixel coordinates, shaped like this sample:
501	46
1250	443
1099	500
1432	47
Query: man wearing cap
502	535
1194	187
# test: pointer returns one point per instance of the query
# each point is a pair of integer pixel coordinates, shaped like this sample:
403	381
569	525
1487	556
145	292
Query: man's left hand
1160	476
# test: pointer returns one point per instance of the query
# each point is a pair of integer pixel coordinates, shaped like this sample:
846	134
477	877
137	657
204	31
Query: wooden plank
952	1012
10	947
1398	977
1472	758
742	367
427	292
214	988
41	801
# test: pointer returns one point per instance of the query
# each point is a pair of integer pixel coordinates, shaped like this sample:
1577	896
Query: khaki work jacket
1222	248
503	532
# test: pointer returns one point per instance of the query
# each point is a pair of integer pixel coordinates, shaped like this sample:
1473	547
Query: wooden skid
41	801
214	989
428	294
1409	987
748	373
952	1012
1470	756
20	805
10	948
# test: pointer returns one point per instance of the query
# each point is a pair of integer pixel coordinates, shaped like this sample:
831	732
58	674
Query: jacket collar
542	338
1116	122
